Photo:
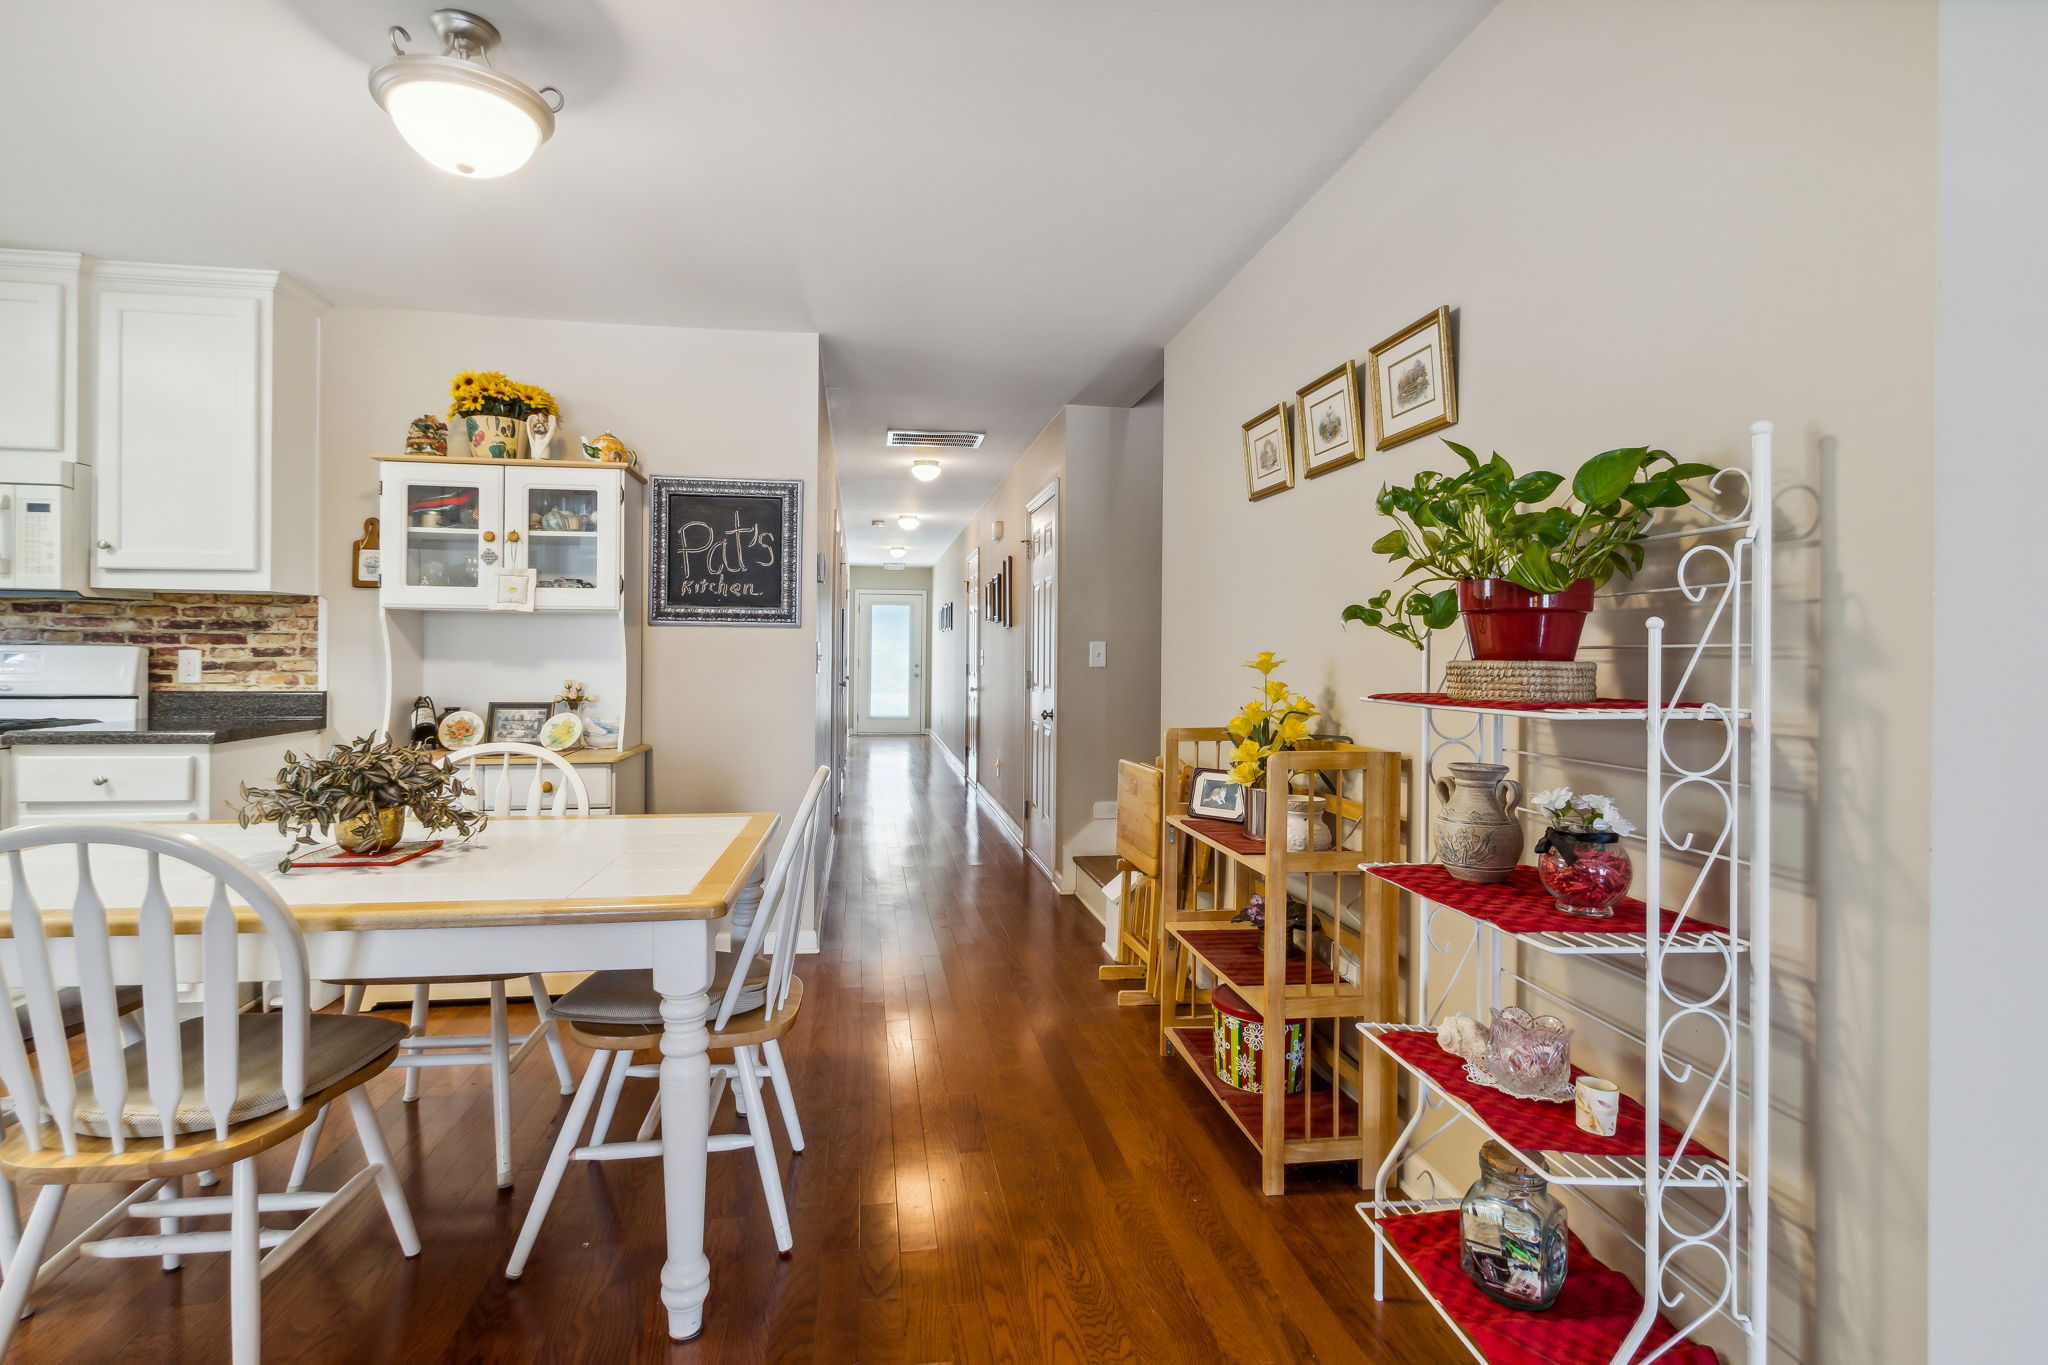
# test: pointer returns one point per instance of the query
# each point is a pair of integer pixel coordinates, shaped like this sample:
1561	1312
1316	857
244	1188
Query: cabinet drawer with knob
83	777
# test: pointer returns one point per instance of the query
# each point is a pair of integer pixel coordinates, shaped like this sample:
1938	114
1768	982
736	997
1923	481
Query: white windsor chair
617	1013
556	789
190	1097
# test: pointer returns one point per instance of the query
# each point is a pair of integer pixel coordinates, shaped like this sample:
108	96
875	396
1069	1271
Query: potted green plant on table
1521	574
362	791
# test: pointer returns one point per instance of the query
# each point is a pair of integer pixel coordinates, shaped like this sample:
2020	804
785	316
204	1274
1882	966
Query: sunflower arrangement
1277	719
489	393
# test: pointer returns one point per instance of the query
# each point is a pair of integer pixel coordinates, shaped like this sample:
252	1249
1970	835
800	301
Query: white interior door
888	663
1044	679
970	606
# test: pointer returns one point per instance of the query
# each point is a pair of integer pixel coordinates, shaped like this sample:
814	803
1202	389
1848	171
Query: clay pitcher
1478	838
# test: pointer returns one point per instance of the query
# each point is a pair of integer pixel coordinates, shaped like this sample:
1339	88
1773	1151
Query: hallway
999	1169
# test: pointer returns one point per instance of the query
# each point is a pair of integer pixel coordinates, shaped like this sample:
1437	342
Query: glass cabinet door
442	545
566	522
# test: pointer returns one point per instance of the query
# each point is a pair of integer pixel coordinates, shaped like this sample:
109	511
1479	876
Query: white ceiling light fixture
453	109
907	522
898	551
924	470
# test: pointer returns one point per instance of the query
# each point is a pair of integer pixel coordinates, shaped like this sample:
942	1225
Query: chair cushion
337	1045
628	997
71	1007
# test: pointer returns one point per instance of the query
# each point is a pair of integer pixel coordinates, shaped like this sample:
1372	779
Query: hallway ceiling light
907	522
453	109
898	551
924	470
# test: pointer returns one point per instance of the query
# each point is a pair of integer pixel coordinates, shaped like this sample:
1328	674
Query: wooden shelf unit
1337	967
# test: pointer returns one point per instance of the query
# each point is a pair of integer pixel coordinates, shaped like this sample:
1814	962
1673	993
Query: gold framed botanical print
1331	432
1414	381
1268	453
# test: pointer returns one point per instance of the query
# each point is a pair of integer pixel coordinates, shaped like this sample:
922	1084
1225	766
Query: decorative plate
562	732
460	729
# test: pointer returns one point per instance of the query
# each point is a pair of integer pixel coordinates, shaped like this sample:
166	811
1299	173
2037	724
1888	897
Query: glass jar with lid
1512	1231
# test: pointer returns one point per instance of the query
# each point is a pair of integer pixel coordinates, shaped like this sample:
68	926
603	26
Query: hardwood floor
999	1169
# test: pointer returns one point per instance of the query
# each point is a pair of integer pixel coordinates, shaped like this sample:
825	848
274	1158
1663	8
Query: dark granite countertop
200	718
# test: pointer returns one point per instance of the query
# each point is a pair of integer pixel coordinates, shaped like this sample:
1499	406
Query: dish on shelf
460	729
562	731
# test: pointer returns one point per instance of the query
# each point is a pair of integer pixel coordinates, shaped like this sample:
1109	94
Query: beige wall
724	707
875	578
1108	463
1657	223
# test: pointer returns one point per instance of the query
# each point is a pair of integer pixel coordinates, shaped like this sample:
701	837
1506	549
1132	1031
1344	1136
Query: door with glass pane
441	535
564	522
888	663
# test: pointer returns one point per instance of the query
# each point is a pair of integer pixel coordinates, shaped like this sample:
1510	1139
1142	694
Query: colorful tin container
1240	1039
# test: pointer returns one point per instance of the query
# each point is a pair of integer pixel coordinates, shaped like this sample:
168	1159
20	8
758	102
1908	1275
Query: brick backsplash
245	640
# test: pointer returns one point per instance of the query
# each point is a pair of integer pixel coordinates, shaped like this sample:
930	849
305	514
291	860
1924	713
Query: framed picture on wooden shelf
1332	435
1414	381
517	722
1269	453
1213	796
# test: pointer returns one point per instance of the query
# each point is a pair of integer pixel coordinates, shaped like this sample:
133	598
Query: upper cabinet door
568	524
441	535
179	441
38	364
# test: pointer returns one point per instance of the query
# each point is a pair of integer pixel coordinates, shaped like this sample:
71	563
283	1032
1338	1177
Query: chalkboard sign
724	552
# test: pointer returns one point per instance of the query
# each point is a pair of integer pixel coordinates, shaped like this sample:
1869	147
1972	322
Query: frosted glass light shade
898	551
463	128
907	522
925	470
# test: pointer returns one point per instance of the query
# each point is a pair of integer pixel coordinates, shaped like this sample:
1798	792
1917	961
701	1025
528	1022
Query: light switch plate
188	665
1098	654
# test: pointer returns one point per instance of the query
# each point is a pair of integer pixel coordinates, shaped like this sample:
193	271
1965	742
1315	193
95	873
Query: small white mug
1598	1105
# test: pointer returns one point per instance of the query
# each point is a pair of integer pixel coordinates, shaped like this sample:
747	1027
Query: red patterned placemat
1444	699
1591	1318
1520	905
333	855
1531	1125
1228	834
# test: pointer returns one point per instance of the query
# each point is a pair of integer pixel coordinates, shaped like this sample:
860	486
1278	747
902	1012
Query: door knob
490	535
99	781
106	545
547	786
1045	715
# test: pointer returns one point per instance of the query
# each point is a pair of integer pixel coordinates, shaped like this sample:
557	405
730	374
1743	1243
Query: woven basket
1518	680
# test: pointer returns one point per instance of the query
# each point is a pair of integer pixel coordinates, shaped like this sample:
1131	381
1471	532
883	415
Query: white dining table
523	895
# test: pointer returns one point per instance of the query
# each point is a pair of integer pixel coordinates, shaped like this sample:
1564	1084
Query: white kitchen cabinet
204	437
40	782
451	526
39	364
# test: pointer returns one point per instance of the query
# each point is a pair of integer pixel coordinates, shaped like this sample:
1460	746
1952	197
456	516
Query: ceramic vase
491	437
540	433
1307	822
1478	838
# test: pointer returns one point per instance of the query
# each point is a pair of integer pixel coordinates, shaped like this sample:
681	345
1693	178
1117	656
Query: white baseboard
953	760
997	816
1060	884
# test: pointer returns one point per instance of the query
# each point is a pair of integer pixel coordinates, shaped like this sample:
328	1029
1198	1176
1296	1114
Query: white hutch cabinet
450	526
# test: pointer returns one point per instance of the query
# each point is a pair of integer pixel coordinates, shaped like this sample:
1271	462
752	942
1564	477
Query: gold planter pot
377	832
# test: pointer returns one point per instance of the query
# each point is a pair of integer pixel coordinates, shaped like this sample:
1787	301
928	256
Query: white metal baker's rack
1703	1238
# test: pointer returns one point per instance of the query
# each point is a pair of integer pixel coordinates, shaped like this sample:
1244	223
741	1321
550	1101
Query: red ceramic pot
1505	621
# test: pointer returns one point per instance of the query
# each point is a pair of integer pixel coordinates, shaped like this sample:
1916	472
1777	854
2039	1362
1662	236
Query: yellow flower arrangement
1278	719
490	393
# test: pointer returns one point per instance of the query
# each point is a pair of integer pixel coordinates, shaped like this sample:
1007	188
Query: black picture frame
724	552
518	712
1213	796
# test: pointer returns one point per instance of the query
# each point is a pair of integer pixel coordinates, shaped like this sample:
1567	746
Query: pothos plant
1488	522
1277	719
358	779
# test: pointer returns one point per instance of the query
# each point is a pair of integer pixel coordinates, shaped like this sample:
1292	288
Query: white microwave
44	530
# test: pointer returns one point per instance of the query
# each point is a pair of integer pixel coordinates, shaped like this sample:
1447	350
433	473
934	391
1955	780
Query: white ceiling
986	210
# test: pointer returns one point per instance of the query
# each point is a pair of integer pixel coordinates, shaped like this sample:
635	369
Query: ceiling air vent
954	440
894	565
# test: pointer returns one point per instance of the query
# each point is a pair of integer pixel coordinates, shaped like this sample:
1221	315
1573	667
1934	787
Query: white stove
86	687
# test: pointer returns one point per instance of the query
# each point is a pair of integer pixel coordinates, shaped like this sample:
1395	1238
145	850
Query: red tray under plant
334	855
